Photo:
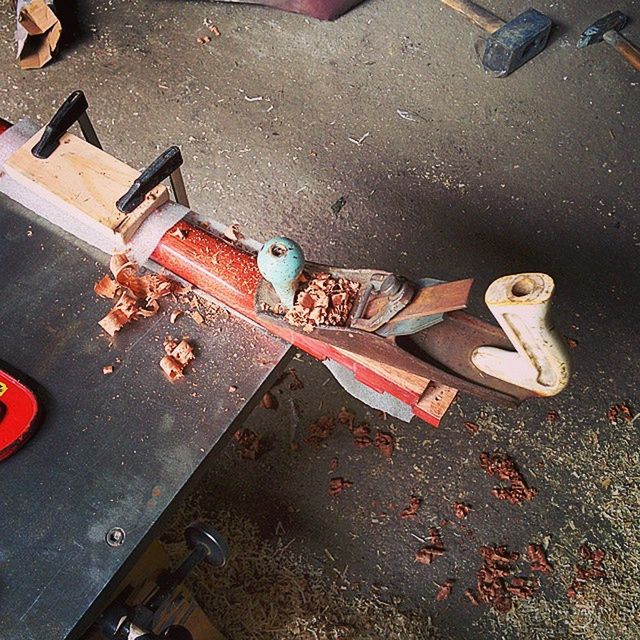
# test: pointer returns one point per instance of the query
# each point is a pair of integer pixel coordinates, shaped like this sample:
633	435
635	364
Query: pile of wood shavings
502	466
323	300
137	295
496	585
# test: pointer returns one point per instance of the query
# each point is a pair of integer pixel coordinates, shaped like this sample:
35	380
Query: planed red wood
231	276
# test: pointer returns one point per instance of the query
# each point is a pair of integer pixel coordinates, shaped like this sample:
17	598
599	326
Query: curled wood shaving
320	430
269	401
140	293
106	287
591	569
233	233
538	559
346	417
178	356
361	437
175	314
428	553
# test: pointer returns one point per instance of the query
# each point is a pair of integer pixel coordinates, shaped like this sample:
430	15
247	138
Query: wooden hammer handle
630	53
479	16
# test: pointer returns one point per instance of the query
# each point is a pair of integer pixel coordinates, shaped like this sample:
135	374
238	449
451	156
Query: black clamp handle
162	167
72	110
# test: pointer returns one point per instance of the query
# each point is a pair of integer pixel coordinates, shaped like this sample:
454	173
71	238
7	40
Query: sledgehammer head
595	32
517	42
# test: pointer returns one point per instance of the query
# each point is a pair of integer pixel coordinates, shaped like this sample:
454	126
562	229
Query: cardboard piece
37	34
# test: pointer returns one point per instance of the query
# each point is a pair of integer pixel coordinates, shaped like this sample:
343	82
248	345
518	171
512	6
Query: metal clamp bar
166	165
72	110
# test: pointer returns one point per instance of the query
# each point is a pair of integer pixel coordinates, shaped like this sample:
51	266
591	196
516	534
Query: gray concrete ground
534	172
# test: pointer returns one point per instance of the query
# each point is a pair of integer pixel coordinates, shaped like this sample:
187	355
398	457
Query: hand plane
404	346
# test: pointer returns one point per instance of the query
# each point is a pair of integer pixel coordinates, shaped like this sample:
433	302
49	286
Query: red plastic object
19	413
321	9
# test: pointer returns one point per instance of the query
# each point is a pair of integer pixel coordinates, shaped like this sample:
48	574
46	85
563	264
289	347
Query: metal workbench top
113	450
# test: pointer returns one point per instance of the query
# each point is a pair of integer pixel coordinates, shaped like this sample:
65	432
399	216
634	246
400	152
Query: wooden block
84	181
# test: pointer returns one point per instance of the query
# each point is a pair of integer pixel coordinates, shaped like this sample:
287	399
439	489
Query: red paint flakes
411	510
338	485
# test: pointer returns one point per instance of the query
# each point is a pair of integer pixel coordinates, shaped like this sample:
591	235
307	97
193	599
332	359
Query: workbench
114	451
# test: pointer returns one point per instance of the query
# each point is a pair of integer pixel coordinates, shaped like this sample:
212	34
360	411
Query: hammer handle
479	16
630	53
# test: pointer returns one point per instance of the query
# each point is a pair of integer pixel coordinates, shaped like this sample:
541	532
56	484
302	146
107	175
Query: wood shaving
233	233
320	430
471	427
338	485
490	580
140	293
233	388
322	301
620	411
214	30
461	510
346	417
269	401
410	512
106	287
175	314
203	39
502	466
179	232
444	591
178	356
249	444
538	559
361	438
197	317
428	553
107	369
384	443
591	569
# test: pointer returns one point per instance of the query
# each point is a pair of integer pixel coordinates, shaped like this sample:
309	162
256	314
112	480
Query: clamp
137	622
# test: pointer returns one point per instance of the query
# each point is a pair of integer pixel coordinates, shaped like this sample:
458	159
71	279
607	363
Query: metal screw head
390	285
115	537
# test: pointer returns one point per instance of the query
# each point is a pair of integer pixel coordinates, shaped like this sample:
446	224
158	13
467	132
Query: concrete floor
534	172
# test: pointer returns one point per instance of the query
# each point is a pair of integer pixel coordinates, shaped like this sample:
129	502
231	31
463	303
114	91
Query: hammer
510	44
607	29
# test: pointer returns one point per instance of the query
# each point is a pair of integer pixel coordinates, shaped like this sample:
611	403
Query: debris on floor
444	591
461	510
338	485
249	444
502	466
269	401
384	443
411	510
319	430
591	569
619	411
428	553
178	356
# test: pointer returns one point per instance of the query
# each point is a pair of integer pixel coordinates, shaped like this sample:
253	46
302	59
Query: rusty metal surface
113	450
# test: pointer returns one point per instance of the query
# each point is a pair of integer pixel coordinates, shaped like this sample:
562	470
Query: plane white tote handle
521	304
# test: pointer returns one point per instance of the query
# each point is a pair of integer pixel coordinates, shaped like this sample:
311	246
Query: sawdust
604	465
267	592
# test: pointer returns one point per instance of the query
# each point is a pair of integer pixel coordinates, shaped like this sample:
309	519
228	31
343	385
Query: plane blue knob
281	262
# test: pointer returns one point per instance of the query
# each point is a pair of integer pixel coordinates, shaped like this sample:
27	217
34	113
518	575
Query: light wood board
85	182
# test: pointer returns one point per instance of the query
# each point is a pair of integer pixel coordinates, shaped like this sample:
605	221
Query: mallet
510	44
607	29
